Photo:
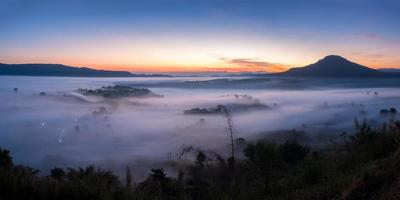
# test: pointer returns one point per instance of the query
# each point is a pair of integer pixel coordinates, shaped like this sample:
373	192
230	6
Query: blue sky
185	35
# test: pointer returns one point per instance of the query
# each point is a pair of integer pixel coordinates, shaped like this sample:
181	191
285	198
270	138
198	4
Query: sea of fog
59	129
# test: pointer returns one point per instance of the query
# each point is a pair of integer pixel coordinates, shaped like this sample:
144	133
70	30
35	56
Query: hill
63	70
391	70
335	66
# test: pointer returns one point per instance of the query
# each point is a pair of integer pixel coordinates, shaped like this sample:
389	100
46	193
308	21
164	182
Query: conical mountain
334	66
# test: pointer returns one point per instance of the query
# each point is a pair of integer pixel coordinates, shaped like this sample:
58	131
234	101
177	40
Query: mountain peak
334	59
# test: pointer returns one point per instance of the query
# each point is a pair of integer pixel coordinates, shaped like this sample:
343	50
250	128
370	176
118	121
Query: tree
128	178
292	151
228	117
57	173
5	159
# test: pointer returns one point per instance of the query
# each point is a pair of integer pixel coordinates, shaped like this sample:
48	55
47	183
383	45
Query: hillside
63	70
335	66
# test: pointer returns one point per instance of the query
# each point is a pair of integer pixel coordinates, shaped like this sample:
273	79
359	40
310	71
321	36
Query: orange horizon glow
188	69
200	53
193	60
217	67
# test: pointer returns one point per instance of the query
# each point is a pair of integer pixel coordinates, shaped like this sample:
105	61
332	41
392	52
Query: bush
292	152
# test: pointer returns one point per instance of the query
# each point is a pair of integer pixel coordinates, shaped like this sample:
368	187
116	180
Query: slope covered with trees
363	165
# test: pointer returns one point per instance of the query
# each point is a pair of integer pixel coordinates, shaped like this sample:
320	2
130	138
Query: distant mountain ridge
63	70
391	70
338	67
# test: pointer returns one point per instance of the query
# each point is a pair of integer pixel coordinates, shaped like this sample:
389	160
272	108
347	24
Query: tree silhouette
228	117
5	159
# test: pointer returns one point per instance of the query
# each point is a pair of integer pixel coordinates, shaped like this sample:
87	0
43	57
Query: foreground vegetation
364	165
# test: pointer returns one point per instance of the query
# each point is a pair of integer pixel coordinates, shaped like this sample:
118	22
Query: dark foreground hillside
363	165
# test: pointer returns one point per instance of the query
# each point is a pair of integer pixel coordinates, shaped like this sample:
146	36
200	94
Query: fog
66	129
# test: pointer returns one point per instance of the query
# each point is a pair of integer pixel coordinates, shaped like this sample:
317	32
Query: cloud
254	64
369	55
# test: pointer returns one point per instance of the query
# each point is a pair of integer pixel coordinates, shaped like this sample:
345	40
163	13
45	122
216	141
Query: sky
199	35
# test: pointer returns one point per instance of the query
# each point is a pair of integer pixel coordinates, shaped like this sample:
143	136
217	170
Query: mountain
390	70
335	66
63	70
